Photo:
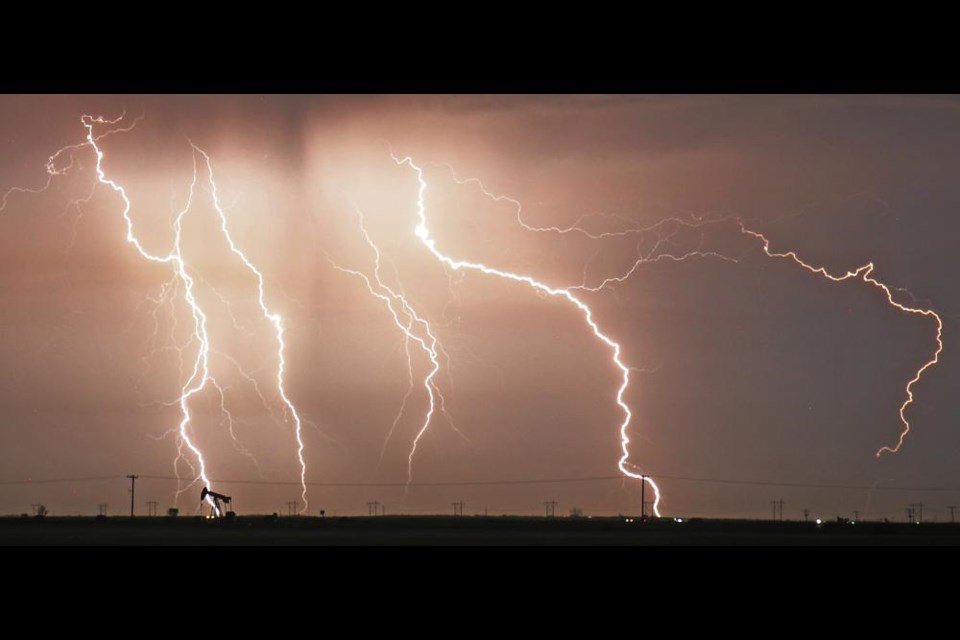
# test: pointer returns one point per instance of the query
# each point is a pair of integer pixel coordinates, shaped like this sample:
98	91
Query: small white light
819	521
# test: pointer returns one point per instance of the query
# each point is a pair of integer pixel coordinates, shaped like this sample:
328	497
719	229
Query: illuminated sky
754	371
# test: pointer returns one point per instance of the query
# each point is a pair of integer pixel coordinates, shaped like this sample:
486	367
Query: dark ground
445	530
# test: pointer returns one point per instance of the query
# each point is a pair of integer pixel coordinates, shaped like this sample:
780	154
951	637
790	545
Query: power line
55	480
457	483
474	483
133	488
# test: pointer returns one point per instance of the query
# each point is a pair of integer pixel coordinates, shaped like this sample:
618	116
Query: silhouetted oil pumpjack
217	499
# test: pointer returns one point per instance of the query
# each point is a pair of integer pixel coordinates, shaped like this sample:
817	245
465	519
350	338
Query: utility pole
856	516
458	508
373	508
916	509
291	507
103	508
643	500
551	508
777	503
151	507
133	488
952	507
806	515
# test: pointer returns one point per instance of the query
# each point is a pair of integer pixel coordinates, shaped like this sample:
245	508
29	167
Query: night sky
753	370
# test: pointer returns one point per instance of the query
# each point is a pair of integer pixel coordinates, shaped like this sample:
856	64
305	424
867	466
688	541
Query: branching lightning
665	230
864	273
200	377
423	233
201	366
196	375
52	168
428	344
274	318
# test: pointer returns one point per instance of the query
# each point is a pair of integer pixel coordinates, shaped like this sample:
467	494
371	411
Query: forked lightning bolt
201	367
413	325
428	344
423	233
274	318
54	171
200	376
655	254
864	273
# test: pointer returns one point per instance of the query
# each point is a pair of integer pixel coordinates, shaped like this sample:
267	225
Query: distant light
819	521
629	519
678	519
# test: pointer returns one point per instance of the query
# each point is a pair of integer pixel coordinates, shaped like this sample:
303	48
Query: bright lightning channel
423	233
274	318
864	273
200	376
201	367
54	171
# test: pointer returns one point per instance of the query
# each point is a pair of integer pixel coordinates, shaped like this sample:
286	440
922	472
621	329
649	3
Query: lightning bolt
576	227
200	375
422	232
52	168
414	326
228	418
864	274
429	345
273	318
